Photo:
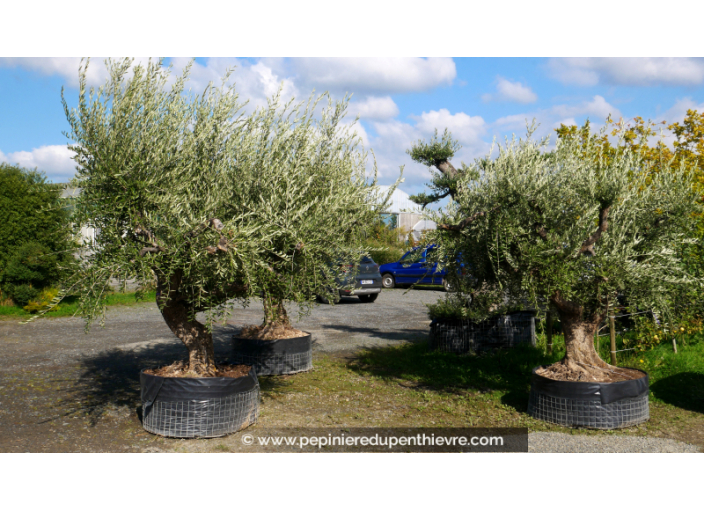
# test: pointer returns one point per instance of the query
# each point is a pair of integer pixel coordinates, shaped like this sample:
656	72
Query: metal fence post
612	331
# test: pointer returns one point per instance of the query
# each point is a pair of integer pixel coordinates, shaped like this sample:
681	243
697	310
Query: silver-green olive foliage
214	202
570	226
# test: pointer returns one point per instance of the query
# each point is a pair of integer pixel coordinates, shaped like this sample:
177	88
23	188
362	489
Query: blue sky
399	100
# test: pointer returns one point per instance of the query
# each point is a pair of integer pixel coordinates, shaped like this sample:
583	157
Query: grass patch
69	306
410	386
676	379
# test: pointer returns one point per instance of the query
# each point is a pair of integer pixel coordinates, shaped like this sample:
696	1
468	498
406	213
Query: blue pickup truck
413	268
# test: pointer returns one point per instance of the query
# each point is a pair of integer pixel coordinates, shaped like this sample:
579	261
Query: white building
405	214
87	234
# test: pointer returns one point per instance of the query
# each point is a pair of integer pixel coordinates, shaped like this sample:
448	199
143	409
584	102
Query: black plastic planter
587	404
274	357
463	335
198	406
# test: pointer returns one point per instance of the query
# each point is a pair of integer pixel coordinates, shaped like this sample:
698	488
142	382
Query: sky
398	100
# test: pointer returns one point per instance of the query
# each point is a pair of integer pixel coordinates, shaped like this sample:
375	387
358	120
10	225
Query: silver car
366	282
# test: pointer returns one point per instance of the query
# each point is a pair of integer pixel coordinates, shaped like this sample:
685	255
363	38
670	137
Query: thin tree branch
151	249
588	245
470	219
538	226
212	222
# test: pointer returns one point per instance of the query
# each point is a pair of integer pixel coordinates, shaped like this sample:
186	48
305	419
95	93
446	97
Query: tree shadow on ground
685	390
110	379
422	287
507	370
350	300
414	335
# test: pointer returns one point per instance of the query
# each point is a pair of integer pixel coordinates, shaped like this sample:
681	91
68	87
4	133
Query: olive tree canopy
572	228
211	202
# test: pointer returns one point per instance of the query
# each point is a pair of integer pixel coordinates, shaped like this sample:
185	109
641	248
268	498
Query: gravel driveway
63	390
397	316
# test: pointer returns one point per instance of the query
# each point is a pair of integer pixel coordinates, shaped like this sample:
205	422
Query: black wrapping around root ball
274	357
198	406
591	405
463	335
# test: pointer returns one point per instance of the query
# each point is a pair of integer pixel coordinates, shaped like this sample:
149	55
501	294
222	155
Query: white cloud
54	160
359	130
393	138
596	110
371	75
298	77
678	111
253	82
511	91
467	130
515	122
256	82
372	107
628	71
567	122
64	66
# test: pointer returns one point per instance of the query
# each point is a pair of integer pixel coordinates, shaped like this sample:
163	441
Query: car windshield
413	256
367	260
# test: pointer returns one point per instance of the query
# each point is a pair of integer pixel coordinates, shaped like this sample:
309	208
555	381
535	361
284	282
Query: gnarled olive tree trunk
581	359
275	315
177	315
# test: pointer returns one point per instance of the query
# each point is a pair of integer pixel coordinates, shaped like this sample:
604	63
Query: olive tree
572	228
211	203
305	188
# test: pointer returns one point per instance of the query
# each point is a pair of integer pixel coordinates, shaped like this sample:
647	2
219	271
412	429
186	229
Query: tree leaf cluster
579	223
214	203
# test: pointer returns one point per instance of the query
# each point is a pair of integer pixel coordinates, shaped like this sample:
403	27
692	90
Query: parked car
366	282
414	268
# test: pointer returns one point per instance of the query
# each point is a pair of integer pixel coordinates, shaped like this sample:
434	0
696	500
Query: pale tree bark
197	339
275	315
581	361
446	168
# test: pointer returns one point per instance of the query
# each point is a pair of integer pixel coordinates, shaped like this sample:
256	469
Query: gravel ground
557	442
394	318
398	316
62	390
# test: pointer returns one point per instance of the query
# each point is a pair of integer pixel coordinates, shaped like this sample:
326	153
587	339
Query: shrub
42	301
21	295
31	268
33	214
457	306
384	243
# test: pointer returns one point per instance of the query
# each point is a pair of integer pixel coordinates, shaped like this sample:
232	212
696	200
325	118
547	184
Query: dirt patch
180	369
559	372
271	333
